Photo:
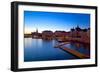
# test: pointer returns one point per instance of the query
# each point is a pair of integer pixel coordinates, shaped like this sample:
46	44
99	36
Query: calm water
79	47
41	50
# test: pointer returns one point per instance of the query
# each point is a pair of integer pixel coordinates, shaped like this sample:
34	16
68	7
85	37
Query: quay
73	52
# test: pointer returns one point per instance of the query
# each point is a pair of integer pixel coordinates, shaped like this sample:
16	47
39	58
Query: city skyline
54	21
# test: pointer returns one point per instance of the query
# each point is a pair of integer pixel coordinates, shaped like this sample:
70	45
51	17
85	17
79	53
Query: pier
72	51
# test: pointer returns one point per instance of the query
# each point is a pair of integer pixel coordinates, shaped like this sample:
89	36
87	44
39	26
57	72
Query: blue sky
54	21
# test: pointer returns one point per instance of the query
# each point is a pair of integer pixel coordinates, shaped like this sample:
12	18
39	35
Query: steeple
78	28
36	30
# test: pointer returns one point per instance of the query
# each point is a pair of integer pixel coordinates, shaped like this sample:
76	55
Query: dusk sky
54	21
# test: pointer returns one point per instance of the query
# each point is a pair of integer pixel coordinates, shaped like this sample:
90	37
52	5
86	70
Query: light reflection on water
42	50
29	42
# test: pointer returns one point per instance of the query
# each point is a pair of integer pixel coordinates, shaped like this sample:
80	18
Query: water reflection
28	42
42	50
82	48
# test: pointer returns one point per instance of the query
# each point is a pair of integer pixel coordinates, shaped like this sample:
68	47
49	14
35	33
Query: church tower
36	30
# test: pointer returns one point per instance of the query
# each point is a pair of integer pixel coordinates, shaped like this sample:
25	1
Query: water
41	50
79	47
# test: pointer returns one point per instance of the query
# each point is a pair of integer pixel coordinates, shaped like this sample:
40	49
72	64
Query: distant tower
36	30
78	28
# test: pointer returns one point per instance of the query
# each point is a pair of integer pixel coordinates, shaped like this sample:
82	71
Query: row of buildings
49	35
82	35
74	34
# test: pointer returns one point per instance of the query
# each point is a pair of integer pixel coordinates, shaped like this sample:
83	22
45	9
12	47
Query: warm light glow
28	30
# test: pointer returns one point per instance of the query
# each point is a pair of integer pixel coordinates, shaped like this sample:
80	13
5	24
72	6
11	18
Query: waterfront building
61	35
47	35
79	34
27	35
36	34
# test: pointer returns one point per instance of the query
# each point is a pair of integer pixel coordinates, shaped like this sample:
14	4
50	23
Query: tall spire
36	30
78	28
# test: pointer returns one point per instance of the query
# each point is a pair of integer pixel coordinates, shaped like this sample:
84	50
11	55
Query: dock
73	52
61	44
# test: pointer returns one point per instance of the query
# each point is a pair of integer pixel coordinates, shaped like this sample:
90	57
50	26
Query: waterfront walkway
74	52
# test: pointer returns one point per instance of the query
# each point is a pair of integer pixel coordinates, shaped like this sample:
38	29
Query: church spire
78	28
36	30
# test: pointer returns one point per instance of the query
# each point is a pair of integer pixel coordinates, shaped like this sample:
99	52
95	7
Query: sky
53	21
